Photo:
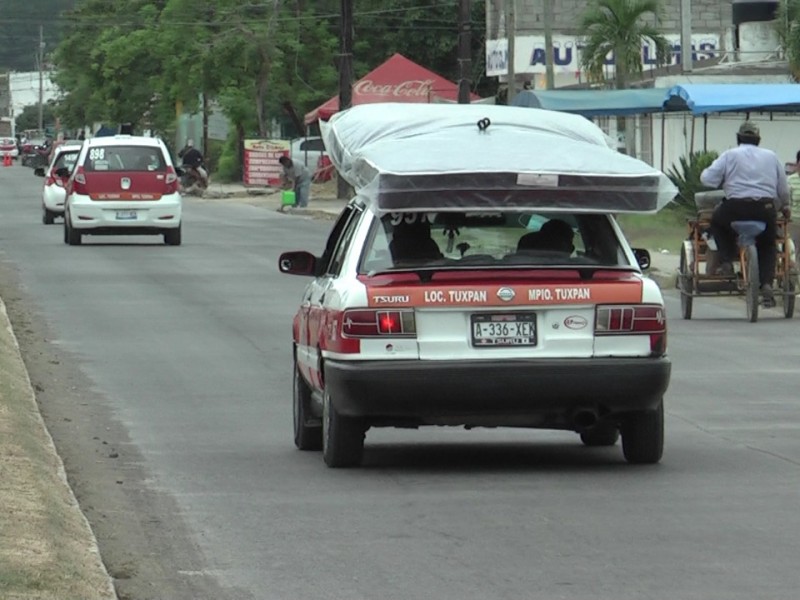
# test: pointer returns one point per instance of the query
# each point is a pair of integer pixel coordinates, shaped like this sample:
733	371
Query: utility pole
464	51
548	44
40	60
511	26
345	77
686	36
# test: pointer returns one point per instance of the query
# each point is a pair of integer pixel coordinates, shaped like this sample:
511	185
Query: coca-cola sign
414	88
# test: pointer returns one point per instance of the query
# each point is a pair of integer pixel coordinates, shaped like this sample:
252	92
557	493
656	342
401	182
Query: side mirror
642	257
63	172
298	263
39	171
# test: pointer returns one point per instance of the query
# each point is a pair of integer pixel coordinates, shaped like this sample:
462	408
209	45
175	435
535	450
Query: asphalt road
187	349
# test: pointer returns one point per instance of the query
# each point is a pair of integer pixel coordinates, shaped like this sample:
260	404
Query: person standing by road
756	187
297	176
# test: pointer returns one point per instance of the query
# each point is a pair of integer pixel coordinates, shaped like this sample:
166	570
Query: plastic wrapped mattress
440	157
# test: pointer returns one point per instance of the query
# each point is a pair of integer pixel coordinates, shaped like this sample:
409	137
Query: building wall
707	15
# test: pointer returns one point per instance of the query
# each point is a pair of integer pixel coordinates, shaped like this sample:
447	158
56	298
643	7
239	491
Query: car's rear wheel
71	235
307	428
643	436
48	217
172	237
342	437
602	434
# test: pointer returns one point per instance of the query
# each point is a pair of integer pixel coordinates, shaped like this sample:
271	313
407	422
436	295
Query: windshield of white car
445	240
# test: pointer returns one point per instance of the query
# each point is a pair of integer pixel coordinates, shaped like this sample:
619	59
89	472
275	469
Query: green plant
686	177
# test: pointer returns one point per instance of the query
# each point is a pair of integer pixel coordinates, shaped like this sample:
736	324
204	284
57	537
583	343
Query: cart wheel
752	291
685	280
788	297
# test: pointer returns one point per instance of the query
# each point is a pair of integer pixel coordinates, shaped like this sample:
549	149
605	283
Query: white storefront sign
530	55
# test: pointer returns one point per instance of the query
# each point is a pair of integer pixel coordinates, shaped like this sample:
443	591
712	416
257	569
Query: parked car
307	151
54	193
468	287
8	147
122	185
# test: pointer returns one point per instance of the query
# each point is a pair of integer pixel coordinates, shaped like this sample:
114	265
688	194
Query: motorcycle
35	155
191	182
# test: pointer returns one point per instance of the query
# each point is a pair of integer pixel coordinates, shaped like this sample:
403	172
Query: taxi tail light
634	319
79	181
378	323
171	181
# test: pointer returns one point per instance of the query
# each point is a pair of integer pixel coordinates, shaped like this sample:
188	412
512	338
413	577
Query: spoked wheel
788	296
752	290
685	285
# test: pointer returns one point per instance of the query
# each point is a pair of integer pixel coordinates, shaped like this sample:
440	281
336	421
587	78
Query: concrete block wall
708	16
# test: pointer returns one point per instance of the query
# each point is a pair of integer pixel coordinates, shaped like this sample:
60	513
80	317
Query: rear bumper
546	393
101	217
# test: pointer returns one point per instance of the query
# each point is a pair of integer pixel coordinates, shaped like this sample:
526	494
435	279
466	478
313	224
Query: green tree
787	22
619	27
29	117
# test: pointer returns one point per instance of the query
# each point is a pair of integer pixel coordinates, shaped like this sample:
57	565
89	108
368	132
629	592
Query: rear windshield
66	159
124	158
493	239
7	142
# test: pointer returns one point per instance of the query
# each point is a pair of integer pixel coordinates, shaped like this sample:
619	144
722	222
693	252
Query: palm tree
619	27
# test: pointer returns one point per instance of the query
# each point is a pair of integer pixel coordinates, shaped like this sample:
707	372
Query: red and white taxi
9	147
123	185
489	305
55	193
453	319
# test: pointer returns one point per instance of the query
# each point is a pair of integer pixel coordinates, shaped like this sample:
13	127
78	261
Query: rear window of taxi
490	239
66	159
124	158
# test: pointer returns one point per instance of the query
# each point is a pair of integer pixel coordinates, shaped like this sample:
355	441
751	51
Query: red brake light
171	181
636	319
79	181
374	323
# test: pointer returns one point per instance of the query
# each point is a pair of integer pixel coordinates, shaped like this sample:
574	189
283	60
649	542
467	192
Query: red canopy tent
396	80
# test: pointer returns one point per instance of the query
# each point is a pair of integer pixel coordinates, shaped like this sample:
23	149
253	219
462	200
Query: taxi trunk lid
507	314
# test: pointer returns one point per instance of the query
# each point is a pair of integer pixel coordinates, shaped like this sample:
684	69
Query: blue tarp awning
595	103
731	97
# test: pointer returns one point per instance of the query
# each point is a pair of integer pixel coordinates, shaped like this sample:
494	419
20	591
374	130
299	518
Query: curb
94	560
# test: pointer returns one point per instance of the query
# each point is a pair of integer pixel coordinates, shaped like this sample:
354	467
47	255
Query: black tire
788	296
342	437
47	217
643	436
307	428
602	434
686	287
753	285
72	237
172	237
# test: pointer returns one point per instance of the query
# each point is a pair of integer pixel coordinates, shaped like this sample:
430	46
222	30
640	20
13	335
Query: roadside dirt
143	541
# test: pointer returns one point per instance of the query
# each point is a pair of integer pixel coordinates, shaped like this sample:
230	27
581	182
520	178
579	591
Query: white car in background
123	185
307	151
8	147
55	193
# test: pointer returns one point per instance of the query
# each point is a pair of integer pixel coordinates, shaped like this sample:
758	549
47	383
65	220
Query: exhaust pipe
584	419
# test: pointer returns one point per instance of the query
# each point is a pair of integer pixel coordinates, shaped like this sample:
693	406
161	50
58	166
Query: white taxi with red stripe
122	185
499	317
